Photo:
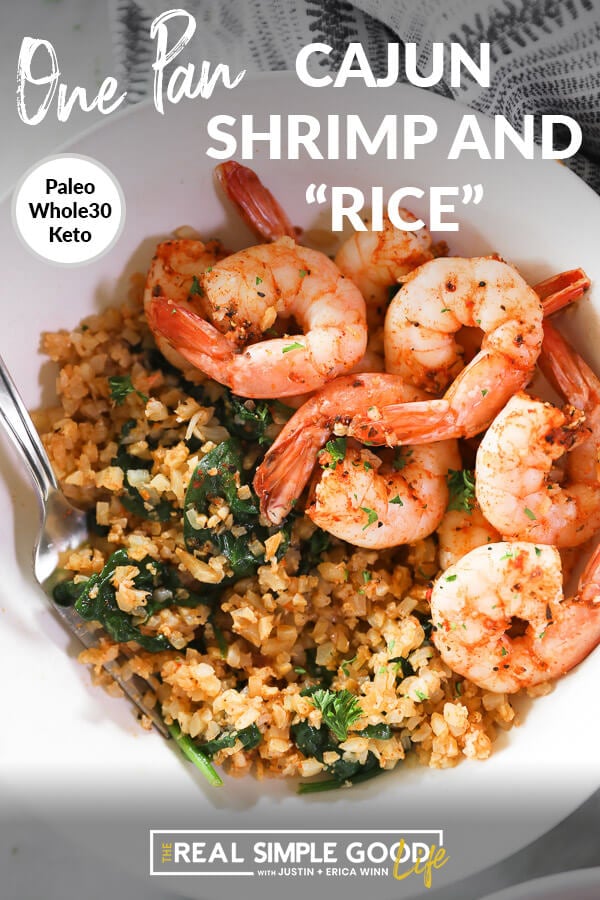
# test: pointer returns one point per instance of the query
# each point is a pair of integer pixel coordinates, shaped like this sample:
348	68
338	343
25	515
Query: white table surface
34	862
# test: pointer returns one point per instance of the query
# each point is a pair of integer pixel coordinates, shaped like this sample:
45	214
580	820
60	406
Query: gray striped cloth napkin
545	53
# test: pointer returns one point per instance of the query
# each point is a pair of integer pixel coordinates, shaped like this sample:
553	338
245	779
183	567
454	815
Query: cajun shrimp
515	484
370	502
243	295
461	531
374	260
501	619
288	463
175	263
377	260
434	303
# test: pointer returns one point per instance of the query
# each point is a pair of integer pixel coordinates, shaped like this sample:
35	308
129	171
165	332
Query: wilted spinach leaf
218	475
96	601
312	550
249	737
315	742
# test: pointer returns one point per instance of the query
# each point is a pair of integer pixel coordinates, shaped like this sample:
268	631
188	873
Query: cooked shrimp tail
286	469
568	373
255	202
196	339
559	290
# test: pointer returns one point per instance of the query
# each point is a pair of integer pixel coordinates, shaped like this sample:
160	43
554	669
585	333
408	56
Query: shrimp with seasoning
501	620
461	531
377	260
286	468
367	500
434	303
514	469
374	260
175	263
241	297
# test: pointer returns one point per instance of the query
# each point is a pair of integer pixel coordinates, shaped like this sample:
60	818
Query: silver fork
63	527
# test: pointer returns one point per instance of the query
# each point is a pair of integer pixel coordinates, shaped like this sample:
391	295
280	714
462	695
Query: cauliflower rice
247	659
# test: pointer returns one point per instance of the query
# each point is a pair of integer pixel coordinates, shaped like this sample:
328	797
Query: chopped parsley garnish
484	391
196	287
366	576
303	273
345	664
340	709
450	578
538	552
120	387
529	513
295	346
258	279
337	451
445	309
401	458
503	651
371	516
461	483
397	500
421	696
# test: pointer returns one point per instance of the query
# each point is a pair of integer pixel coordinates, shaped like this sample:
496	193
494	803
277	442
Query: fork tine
80	630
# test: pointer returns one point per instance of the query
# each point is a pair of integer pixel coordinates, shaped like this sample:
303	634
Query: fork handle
23	434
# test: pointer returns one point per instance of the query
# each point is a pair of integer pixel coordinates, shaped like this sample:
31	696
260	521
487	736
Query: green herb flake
529	513
371	516
450	578
461	484
303	273
422	697
120	387
445	309
458	688
346	664
397	500
299	670
337	451
196	288
484	391
503	651
366	577
295	346
258	280
401	458
538	552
